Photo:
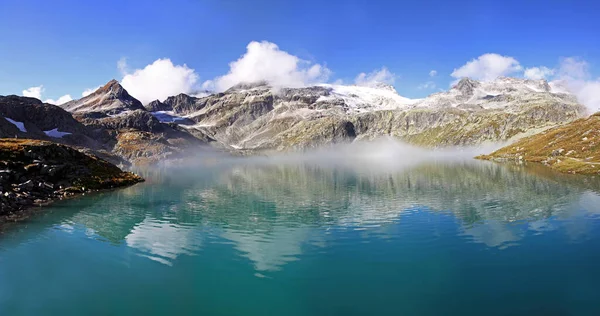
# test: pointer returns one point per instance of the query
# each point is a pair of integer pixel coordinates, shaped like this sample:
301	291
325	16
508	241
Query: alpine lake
254	236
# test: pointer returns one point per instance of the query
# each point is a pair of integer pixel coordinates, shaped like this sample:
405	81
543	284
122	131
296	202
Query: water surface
305	238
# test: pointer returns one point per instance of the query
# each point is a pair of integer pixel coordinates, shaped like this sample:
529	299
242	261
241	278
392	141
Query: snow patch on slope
167	116
56	133
368	98
19	125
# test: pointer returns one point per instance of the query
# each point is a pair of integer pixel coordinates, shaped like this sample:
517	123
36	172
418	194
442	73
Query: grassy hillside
571	148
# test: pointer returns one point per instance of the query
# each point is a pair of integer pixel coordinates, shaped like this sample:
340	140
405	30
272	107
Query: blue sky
69	46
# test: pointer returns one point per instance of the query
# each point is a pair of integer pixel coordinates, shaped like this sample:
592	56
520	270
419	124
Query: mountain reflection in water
269	211
314	237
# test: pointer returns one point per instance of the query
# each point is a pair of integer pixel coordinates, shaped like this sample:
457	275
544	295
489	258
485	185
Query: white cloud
427	85
433	73
264	61
158	80
589	94
574	73
382	75
338	82
64	99
89	91
537	73
573	68
488	67
208	85
122	66
34	92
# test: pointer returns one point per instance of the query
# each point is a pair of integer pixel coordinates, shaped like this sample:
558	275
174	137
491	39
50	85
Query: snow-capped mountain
503	93
367	98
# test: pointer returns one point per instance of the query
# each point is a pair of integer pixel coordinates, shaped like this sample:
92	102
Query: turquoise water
303	238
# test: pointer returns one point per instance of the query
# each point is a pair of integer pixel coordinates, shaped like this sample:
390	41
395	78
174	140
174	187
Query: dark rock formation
37	172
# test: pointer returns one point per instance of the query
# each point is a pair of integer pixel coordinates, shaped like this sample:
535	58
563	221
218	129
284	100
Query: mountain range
255	118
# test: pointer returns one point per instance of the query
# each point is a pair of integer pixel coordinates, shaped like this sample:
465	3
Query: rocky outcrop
33	173
571	148
156	106
467	86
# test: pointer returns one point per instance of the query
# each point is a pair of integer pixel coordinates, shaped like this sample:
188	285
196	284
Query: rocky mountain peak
111	98
112	82
383	86
249	85
156	105
466	86
114	88
181	98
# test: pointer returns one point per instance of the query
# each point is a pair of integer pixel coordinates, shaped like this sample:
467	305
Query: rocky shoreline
36	173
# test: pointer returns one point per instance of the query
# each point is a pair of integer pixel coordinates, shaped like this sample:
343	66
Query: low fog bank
382	154
386	151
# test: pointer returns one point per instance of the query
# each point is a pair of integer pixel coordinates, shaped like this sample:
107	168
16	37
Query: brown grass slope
571	148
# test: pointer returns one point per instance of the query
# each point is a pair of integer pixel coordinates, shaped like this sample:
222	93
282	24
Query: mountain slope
110	99
572	148
141	138
129	130
24	117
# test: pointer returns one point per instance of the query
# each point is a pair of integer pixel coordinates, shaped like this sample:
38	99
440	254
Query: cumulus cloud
382	75
158	80
89	91
574	73
264	61
427	85
64	99
433	73
573	68
488	67
537	73
34	92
